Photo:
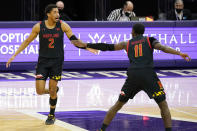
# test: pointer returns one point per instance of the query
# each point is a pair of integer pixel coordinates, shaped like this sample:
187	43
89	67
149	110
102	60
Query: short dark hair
139	28
49	8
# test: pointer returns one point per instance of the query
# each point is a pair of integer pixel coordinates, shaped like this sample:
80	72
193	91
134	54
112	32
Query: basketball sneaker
50	120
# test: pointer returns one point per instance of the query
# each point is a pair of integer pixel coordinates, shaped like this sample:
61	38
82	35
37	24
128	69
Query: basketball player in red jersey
51	54
140	74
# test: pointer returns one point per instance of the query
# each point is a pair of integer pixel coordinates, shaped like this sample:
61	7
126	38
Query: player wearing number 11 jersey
51	54
141	75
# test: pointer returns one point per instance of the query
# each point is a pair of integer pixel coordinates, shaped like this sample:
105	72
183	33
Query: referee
122	14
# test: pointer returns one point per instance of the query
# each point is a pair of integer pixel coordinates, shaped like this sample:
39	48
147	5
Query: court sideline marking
57	122
190	114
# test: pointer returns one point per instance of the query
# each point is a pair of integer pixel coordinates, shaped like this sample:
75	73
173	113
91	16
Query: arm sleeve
101	46
153	41
73	37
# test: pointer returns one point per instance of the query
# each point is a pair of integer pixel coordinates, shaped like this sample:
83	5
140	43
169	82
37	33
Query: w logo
96	38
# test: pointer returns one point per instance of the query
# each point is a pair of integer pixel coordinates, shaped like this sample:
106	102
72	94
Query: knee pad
53	102
160	99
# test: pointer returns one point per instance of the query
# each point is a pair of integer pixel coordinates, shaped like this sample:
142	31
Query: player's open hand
9	61
92	50
185	56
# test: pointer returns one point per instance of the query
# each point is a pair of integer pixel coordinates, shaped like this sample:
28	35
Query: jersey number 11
138	50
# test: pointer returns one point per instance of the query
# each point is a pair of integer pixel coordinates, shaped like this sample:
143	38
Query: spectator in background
179	13
63	16
122	14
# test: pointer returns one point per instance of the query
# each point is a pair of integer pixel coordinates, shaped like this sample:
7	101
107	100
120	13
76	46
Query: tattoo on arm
66	29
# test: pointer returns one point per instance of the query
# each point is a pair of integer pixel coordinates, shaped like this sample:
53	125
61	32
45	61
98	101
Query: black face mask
61	11
127	14
179	10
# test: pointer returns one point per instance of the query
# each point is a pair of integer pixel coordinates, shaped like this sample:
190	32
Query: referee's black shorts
49	67
142	79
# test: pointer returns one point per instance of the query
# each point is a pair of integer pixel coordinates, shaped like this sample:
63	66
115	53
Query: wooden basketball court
20	105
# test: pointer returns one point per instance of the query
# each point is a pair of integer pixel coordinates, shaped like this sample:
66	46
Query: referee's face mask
127	13
61	11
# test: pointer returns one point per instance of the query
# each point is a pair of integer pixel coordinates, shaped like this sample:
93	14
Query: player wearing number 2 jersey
141	75
51	54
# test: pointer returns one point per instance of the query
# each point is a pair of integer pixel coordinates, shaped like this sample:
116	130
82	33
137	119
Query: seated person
63	16
122	14
179	13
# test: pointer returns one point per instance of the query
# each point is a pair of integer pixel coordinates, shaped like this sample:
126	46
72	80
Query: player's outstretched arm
32	36
170	50
104	46
66	29
74	40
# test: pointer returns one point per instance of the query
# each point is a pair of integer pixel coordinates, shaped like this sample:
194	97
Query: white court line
84	109
75	128
190	114
57	122
70	109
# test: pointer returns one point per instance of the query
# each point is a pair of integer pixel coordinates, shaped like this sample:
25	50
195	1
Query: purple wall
178	35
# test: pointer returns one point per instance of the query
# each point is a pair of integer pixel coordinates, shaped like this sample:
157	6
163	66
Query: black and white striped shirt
119	15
